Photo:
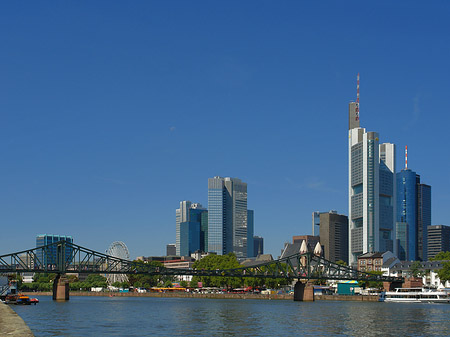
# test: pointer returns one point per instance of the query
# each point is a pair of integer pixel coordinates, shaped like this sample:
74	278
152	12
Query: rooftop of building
371	255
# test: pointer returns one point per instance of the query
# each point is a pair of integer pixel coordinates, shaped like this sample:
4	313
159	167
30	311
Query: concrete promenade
11	324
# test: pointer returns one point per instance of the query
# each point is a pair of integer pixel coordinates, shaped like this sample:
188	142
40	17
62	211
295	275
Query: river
149	316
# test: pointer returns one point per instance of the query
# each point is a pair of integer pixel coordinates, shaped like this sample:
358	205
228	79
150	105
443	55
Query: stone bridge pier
303	291
60	288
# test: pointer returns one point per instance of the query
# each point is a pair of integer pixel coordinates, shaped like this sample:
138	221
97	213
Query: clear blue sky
113	112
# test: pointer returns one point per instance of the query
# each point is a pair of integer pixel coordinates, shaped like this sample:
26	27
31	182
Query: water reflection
122	316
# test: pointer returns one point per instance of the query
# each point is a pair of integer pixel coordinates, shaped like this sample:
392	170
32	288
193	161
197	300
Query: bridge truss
65	257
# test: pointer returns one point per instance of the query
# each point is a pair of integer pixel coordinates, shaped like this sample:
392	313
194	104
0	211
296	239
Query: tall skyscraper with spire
413	214
371	187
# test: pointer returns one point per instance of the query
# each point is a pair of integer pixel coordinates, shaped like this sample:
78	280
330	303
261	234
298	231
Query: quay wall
12	324
169	294
366	298
215	296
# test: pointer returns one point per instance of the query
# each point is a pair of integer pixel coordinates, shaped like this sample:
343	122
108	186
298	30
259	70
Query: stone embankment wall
170	294
369	298
11	324
228	296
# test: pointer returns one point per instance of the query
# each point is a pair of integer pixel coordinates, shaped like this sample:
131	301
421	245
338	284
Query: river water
149	316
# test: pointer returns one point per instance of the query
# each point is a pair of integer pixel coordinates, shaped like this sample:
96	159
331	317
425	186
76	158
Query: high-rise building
188	227
413	215
227	216
171	249
371	189
250	232
438	240
204	231
334	235
423	220
406	214
182	215
47	239
258	246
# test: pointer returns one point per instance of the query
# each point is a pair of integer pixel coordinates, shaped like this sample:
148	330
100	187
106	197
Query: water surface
149	316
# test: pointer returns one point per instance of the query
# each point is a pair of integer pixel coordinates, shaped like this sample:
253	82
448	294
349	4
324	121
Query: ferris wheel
120	250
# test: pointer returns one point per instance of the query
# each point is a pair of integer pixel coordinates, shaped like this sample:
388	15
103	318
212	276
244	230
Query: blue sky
113	112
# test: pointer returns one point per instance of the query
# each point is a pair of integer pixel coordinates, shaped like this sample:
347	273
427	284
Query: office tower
334	236
46	239
204	231
182	215
438	240
406	214
189	220
371	189
423	220
413	215
227	216
258	246
315	223
250	232
171	249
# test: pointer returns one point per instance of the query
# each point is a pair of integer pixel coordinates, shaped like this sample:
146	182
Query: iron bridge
64	257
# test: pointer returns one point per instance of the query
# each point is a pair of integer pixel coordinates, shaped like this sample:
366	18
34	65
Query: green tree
441	256
184	284
416	269
341	262
444	273
372	284
147	281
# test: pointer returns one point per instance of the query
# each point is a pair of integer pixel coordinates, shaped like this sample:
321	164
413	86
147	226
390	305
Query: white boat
415	295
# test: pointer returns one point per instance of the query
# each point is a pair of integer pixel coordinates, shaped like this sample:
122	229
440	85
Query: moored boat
415	295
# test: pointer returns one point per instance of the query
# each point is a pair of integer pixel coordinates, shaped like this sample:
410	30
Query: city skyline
111	116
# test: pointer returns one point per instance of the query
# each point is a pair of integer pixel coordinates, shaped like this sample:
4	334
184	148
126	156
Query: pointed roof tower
303	247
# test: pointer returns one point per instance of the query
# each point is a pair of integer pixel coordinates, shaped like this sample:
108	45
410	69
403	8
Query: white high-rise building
371	187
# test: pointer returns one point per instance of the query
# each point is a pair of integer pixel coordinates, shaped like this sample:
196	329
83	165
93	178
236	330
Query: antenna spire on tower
406	157
357	98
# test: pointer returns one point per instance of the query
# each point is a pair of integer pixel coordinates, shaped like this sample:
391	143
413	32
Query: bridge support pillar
60	289
303	292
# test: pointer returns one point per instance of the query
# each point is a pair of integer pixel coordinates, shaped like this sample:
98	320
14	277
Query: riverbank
172	294
215	296
11	324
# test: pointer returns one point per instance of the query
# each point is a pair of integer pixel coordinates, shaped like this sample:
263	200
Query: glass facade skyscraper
189	219
250	231
50	257
414	209
227	216
406	212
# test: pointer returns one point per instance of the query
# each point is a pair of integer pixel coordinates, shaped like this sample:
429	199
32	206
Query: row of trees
229	261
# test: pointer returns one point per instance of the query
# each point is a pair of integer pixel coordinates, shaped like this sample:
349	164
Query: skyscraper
188	227
406	214
250	231
423	219
371	189
227	216
438	240
50	258
413	215
334	235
